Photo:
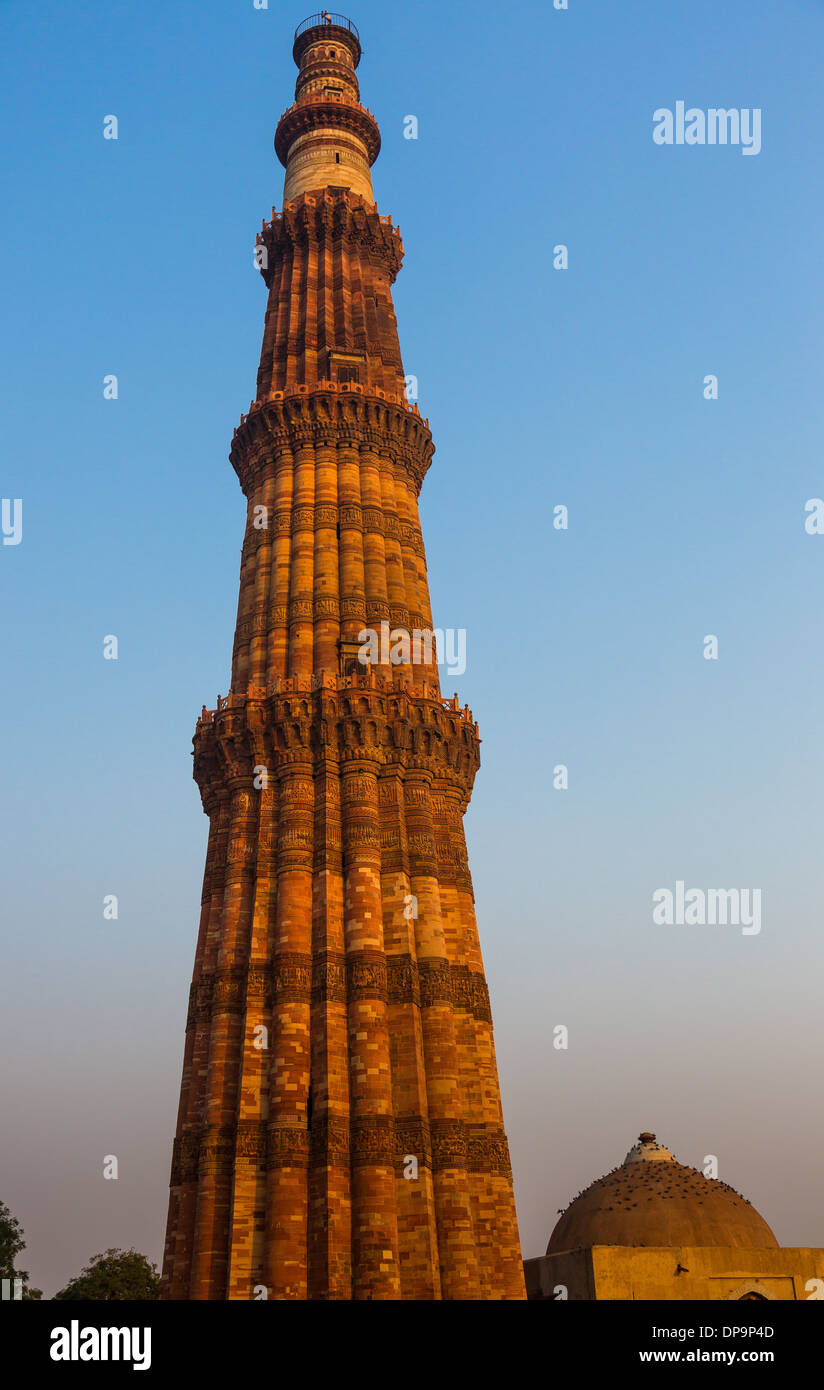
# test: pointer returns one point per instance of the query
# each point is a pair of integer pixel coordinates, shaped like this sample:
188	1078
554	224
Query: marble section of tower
339	1132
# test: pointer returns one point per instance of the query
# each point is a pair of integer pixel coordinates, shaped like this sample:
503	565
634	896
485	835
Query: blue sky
582	387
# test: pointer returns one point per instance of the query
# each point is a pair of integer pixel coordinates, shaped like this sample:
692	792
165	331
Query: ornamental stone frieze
438	1145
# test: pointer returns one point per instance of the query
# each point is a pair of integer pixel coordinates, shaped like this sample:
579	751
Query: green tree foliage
114	1276
12	1244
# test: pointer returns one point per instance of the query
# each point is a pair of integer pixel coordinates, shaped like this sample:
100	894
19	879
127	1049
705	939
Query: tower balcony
329	26
325	680
322	110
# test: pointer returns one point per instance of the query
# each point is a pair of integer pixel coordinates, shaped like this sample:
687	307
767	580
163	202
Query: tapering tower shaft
340	1131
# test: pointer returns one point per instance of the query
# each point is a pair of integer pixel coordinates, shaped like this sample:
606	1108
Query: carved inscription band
336	978
377	1140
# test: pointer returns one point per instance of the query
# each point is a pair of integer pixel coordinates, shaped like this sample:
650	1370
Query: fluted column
245	612
210	1258
327	596
375	1267
374	558
414	1185
352	602
393	559
302	564
453	1206
330	1224
247	1238
183	1195
280	522
290	1058
262	541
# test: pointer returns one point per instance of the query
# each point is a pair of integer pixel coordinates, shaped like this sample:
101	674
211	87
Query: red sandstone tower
339	1133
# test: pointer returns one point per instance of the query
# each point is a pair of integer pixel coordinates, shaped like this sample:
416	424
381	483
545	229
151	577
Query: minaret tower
339	1133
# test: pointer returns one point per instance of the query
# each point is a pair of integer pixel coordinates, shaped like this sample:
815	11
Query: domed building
655	1229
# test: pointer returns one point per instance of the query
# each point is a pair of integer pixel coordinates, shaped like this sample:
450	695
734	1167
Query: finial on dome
647	1149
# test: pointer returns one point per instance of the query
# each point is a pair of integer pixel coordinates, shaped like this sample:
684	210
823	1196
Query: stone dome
652	1200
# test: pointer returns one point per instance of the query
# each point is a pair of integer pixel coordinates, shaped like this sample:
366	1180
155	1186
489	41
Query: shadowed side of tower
340	1131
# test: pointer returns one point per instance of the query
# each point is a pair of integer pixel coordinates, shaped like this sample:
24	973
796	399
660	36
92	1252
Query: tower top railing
323	18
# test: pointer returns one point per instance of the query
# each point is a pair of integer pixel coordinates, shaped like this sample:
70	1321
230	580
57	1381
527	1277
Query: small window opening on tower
347	367
337	157
350	662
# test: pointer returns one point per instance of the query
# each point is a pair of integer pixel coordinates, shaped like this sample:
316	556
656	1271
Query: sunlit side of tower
340	1131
